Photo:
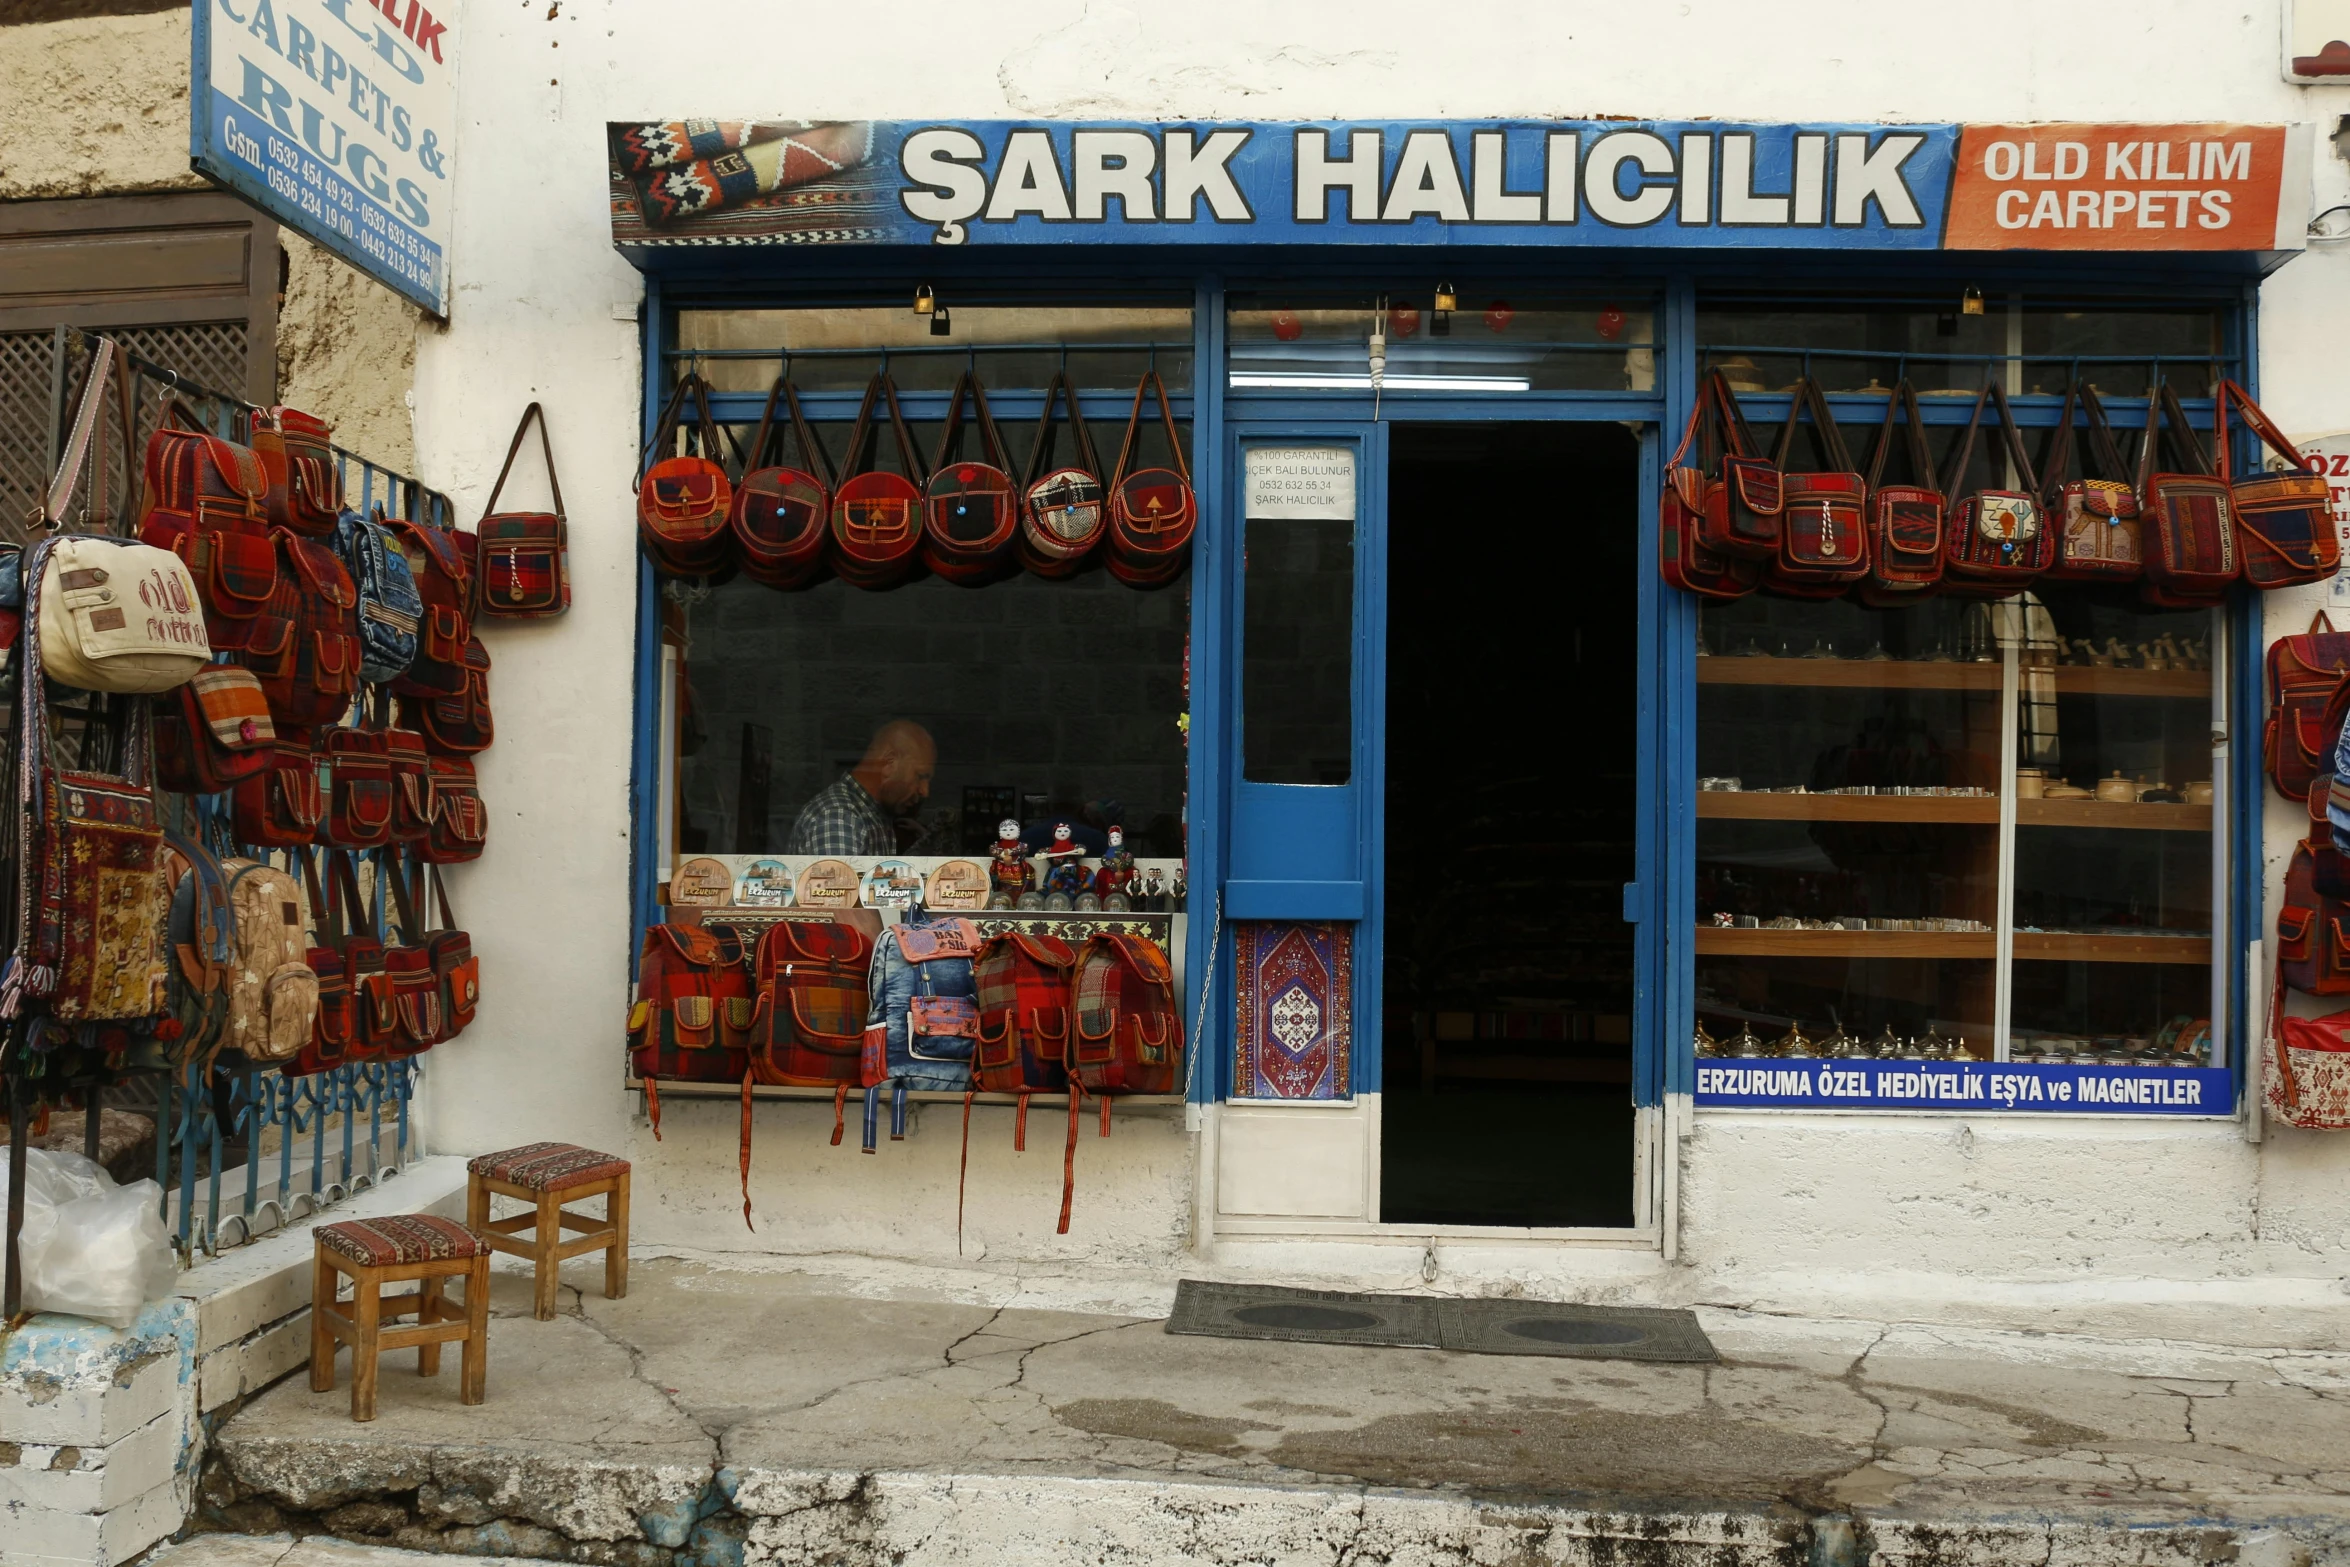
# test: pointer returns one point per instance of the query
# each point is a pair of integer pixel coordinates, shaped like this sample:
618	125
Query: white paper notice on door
1300	481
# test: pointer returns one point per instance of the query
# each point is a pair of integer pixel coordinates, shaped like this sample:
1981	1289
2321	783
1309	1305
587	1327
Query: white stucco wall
1926	1217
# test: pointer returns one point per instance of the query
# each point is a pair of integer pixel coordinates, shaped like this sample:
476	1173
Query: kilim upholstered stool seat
548	1175
408	1248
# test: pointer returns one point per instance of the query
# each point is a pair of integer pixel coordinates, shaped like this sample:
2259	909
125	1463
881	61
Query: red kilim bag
1823	540
304	647
1998	539
454	967
1746	521
2308	1069
205	502
1691	510
1026	999
2313	931
808	1024
358	773
876	514
335	1029
1129	1032
2284	520
782	515
298	458
283	805
1152	510
214	732
1905	520
683	502
412	802
456	723
2306	675
521	567
970	516
1061	509
692	1019
2190	535
460	823
2099	537
444	584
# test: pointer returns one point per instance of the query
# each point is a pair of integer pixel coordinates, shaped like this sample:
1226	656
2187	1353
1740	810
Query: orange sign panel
2116	187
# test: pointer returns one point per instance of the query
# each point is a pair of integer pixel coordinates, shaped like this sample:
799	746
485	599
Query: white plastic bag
89	1247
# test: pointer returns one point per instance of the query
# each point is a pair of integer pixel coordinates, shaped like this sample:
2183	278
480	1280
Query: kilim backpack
390	609
202	932
206	502
357	771
1129	1031
1747	519
2305	675
214	732
692	1018
1025	1003
1823	540
2098	534
2313	931
304	647
1998	539
808	1026
683	501
456	723
444	586
970	515
522	559
282	805
1061	509
273	995
876	514
2186	513
2284	520
783	515
460	822
1904	520
297	457
1153	511
922	1020
1690	511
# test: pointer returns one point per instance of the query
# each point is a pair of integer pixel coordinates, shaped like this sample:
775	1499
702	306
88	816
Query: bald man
853	816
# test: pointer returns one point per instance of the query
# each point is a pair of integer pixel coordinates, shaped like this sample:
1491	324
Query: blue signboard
336	118
2046	1087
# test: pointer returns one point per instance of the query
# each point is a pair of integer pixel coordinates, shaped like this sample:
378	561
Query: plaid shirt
842	819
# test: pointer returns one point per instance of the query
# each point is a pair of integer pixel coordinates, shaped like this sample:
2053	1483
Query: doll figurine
1008	874
1116	872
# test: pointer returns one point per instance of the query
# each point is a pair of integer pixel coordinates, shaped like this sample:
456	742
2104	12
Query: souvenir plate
892	884
701	884
764	884
827	884
958	885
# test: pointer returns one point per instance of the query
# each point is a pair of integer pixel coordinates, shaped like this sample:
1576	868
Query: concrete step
723	1415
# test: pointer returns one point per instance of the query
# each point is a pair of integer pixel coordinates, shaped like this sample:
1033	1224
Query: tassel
1105	1115
963	1172
1020	1125
840	1100
653	1105
746	1155
1069	1156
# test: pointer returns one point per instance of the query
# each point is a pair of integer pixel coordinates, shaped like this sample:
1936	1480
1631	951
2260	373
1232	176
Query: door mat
1476	1327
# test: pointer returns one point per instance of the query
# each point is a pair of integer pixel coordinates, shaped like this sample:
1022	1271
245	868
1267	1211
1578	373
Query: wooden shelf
2144	817
2056	947
734	1091
2030	946
1755	806
1717	941
1901	675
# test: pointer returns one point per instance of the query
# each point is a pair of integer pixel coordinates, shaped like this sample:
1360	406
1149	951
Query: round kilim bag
1061	510
1152	510
876	514
969	514
683	502
782	514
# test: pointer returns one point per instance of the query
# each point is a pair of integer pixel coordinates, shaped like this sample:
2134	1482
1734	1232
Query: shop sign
1283	482
1606	183
2330	455
1978	1086
337	118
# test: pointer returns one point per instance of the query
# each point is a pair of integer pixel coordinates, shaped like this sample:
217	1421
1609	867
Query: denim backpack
923	1019
389	605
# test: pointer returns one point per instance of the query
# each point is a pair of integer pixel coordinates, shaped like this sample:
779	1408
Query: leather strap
664	440
950	436
865	441
78	441
1954	480
745	1153
1042	450
963	1170
546	450
325	913
1069	1156
1921	461
2166	420
2103	444
1829	442
1738	435
1150	382
812	453
2257	422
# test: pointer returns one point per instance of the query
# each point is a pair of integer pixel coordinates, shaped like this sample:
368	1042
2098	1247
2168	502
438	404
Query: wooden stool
410	1248
548	1175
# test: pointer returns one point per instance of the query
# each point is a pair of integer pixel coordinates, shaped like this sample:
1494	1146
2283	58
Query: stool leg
322	1338
477	1204
548	1237
474	1356
428	1312
616	1256
367	1320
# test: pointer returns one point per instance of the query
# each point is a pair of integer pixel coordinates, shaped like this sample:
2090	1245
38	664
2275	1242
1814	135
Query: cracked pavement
827	1419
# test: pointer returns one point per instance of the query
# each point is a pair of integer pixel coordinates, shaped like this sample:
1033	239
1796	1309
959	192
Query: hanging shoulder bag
460	822
335	1029
390	610
2185	511
214	732
437	565
1690	511
522	559
782	514
283	804
1061	508
2313	931
456	723
297	456
2307	1074
2284	520
877	514
2098	534
356	769
683	501
206	502
1823	542
1747	519
969	513
1153	511
1905	520
1998	540
304	647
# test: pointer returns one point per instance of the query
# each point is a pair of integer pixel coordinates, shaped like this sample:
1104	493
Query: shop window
1959	829
1297	651
2034	346
838	350
1496	340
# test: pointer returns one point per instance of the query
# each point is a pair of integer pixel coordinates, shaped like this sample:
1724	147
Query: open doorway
1512	681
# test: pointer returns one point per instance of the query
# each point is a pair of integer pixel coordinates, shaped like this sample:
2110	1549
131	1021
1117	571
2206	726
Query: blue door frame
1660	900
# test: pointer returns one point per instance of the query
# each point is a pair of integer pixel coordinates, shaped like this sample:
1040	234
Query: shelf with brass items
1761	806
1878	674
2030	946
2144	816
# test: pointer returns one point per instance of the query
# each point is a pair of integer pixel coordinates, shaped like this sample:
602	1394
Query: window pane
1297	651
824	335
1499	340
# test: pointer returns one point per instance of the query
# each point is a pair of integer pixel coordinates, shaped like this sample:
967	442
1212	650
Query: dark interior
1512	620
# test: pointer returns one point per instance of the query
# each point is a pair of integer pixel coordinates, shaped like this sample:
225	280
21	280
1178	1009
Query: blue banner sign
2046	1087
335	117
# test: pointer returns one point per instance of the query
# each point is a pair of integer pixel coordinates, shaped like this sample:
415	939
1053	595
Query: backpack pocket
290	1003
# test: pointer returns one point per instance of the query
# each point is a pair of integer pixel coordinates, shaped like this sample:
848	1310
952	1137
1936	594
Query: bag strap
1697	412
2057	459
546	450
865	441
2257	422
1041	453
1828	442
1737	436
325	912
2102	441
1921	461
86	419
2166	420
861	434
2013	439
818	460
440	890
665	432
1150	382
387	870
950	434
1963	456
345	879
